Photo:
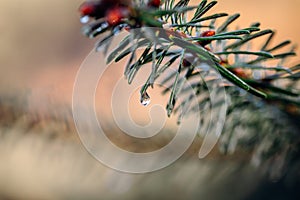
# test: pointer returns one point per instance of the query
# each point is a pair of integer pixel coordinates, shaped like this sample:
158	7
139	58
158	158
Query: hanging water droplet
84	19
145	99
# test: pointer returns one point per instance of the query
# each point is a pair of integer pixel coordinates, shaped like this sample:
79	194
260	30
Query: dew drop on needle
84	19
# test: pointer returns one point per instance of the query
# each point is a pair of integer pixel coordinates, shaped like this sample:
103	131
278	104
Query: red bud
114	16
88	8
154	3
208	33
98	8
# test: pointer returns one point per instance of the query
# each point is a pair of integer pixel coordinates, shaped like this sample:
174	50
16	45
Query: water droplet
145	99
84	19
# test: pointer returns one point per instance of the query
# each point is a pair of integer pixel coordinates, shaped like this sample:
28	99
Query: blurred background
41	49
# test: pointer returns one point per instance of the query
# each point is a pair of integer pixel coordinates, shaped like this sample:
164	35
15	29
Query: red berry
98	8
208	33
114	16
154	3
88	9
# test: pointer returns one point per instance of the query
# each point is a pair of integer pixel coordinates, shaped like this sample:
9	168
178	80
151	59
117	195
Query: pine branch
202	39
